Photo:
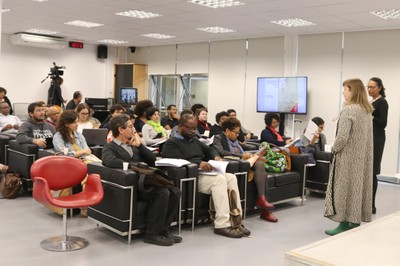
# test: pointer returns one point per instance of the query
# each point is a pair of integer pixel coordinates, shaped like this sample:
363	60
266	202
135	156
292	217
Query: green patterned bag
275	161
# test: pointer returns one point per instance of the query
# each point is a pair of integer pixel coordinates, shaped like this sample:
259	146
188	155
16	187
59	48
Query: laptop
95	137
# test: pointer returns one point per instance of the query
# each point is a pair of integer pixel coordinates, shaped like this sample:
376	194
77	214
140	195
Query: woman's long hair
67	117
358	94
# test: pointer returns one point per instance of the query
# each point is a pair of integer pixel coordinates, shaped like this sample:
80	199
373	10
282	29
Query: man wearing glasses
35	130
184	145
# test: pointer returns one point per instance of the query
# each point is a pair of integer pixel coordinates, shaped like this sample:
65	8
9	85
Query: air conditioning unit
34	40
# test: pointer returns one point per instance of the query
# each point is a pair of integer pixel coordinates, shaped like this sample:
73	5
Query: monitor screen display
128	95
282	95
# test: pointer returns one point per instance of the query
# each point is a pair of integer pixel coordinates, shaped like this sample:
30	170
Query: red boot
268	216
262	203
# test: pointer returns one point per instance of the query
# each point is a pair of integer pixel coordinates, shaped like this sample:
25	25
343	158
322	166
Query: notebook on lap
95	137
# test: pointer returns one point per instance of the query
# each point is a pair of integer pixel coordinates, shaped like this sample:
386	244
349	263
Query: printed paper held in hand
219	167
292	143
160	142
172	162
311	129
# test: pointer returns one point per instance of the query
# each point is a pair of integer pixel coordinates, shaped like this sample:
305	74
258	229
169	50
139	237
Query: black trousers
379	144
163	207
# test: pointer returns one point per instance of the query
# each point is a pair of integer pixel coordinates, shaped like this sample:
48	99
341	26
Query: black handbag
151	176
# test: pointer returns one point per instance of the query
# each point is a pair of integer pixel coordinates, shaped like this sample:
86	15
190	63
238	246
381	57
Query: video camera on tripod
54	96
55	71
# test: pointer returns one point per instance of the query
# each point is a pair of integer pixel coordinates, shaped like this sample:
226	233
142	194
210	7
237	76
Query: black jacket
114	155
192	150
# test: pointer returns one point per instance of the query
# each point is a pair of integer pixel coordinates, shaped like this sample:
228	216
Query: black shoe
244	230
373	210
158	240
175	238
228	232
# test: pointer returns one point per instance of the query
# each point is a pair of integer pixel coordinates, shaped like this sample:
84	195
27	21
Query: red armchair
60	172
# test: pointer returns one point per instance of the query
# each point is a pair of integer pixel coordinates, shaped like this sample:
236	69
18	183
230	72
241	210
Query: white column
290	69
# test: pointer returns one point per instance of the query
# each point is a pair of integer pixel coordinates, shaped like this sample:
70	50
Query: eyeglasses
370	87
84	113
236	132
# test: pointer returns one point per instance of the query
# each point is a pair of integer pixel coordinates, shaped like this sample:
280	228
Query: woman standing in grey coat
349	193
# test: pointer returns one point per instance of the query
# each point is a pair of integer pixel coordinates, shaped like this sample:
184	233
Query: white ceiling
180	18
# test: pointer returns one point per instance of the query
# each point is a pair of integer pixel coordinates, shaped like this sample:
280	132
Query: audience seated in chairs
140	112
53	113
183	145
216	129
227	145
35	130
172	118
83	111
163	202
202	125
270	134
8	123
152	131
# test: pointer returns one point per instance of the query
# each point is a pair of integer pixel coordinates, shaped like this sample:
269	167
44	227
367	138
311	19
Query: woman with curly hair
140	112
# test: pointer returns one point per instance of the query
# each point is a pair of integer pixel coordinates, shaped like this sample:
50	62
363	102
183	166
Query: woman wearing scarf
153	132
202	125
227	144
270	134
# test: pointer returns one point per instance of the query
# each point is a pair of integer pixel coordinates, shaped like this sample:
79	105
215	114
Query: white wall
23	68
232	70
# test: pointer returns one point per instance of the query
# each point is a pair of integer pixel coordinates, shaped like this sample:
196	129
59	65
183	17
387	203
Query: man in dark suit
163	202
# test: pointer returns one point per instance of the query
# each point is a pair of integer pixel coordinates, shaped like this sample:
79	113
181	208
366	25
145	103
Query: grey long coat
349	192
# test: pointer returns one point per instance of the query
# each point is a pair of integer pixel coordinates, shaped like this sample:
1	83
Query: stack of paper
172	162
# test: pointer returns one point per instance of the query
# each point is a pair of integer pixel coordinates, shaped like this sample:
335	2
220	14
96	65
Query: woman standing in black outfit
377	92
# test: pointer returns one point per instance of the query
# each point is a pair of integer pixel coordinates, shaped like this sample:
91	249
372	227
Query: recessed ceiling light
387	14
158	36
40	1
111	41
293	22
42	31
216	29
138	14
5	10
85	24
216	3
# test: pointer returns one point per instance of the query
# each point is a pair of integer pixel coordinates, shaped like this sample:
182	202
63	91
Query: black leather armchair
281	187
20	158
318	175
4	140
122	210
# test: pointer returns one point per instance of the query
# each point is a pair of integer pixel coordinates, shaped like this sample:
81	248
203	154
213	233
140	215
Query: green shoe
343	226
353	225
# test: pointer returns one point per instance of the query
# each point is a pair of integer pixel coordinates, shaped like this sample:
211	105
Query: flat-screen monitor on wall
286	95
128	95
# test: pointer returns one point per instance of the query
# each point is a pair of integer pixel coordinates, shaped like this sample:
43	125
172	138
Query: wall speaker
102	51
132	48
